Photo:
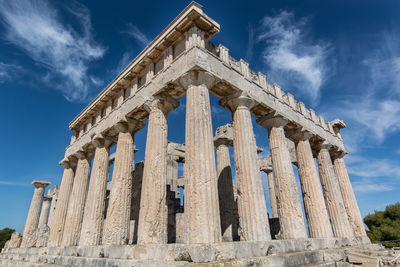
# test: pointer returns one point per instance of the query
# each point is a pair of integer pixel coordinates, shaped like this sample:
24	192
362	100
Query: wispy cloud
7	71
292	58
14	183
369	167
37	29
137	34
123	62
371	187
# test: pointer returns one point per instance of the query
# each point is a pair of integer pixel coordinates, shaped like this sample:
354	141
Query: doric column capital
39	183
128	125
164	103
196	78
337	153
100	140
47	198
81	154
272	120
299	135
323	145
224	135
238	100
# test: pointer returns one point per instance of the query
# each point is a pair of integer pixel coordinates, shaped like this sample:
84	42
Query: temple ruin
148	215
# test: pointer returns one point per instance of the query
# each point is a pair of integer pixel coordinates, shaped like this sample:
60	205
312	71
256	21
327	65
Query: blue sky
341	58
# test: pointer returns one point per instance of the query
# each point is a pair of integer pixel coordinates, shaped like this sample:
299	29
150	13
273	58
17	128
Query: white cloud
36	28
371	187
7	70
123	62
139	36
291	59
369	167
14	183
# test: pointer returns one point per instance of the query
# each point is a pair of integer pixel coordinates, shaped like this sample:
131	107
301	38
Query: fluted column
32	219
227	203
333	197
348	196
53	192
93	218
116	225
44	213
153	213
253	217
60	214
272	194
290	213
73	222
318	222
202	222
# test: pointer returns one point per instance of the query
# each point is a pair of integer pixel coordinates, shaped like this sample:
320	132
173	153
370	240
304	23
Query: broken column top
39	183
224	135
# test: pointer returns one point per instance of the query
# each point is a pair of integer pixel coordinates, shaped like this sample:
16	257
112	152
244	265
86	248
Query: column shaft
60	214
44	213
253	218
290	213
202	222
92	224
272	194
153	214
32	219
317	216
333	197
73	222
227	204
349	198
116	225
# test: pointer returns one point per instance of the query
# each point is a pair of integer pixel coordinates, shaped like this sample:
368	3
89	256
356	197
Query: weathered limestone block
73	222
253	218
92	224
15	241
60	214
116	225
317	216
349	198
42	235
333	197
288	199
272	194
153	215
227	204
202	222
32	220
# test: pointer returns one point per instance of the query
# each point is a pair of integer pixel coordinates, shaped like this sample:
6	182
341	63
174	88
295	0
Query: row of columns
79	215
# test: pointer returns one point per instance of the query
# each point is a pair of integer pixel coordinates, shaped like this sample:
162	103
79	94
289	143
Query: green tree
384	226
5	234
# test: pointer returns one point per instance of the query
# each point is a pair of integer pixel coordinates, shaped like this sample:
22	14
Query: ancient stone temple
140	218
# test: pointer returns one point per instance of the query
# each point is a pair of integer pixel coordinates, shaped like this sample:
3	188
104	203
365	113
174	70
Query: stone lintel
40	183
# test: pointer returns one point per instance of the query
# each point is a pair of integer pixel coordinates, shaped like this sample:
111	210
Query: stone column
32	220
53	192
253	217
318	222
73	222
202	222
333	196
172	173
153	213
227	204
348	196
58	221
290	213
44	213
272	194
92	224
116	225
